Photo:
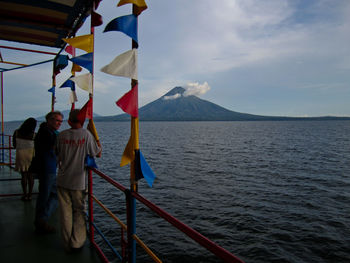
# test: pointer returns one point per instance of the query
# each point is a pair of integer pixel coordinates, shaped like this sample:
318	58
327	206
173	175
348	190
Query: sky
271	57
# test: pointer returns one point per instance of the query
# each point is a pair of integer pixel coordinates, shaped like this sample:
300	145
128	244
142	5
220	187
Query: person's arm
100	153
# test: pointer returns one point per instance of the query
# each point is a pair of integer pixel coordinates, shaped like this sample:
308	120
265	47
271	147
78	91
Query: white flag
124	65
84	81
73	97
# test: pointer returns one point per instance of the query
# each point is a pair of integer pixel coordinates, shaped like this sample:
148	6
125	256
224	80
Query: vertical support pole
2	118
10	149
92	32
91	212
73	73
133	182
53	85
91	216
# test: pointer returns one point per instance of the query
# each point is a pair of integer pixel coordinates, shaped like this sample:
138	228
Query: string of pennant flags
123	65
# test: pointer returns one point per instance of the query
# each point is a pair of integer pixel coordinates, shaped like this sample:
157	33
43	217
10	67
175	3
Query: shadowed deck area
18	241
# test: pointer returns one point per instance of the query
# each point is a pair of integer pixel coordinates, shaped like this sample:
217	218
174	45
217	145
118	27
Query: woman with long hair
23	141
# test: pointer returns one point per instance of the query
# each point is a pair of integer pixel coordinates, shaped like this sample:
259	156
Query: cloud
173	97
191	89
196	89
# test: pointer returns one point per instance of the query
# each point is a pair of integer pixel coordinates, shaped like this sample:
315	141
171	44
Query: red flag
85	112
69	49
96	19
129	102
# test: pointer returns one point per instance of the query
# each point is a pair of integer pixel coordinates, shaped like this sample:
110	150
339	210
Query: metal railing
6	150
128	249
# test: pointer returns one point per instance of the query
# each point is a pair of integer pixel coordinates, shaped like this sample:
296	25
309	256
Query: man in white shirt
73	145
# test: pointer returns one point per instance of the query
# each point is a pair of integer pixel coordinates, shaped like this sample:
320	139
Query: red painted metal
91	214
220	252
99	252
110	180
199	238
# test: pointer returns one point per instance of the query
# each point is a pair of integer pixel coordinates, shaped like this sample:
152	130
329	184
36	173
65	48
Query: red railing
218	251
6	145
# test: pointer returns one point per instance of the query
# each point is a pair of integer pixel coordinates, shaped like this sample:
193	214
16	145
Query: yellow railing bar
138	240
148	251
13	63
110	213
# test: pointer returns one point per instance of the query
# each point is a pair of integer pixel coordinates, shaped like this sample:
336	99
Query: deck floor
19	242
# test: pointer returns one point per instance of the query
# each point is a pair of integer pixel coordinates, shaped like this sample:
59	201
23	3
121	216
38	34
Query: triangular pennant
147	171
140	4
70	50
52	90
90	162
75	68
84	61
129	102
83	81
129	153
96	19
143	169
91	127
85	42
68	84
124	65
73	98
126	24
85	112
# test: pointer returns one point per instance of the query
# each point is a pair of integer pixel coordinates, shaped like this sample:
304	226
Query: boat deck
18	241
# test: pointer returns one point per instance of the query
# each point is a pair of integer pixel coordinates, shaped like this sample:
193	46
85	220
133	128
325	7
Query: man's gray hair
52	114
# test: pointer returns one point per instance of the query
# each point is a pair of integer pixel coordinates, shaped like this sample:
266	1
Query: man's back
73	145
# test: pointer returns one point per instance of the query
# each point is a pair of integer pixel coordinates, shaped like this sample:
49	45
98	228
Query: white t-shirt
72	146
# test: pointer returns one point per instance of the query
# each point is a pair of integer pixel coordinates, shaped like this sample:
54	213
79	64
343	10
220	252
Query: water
265	191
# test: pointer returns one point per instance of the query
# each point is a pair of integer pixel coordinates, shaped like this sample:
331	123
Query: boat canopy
43	22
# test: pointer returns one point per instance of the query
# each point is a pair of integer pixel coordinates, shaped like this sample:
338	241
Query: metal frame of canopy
44	23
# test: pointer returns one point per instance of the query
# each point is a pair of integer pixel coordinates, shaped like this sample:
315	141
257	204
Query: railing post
10	148
131	223
2	149
2	118
91	214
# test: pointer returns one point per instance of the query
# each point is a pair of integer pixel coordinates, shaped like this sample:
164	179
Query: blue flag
84	61
52	90
143	170
90	162
68	84
126	24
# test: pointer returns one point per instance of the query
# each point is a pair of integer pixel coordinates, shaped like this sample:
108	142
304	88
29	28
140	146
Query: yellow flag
141	4
85	42
76	68
91	127
129	153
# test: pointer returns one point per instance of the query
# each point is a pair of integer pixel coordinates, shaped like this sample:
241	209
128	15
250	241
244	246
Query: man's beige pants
72	215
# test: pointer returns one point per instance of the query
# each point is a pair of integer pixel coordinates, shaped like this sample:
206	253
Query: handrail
218	251
6	146
123	226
